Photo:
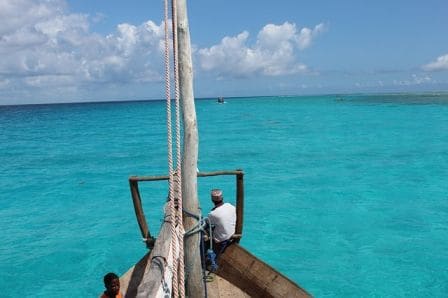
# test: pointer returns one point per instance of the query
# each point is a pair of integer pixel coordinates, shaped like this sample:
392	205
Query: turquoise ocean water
348	196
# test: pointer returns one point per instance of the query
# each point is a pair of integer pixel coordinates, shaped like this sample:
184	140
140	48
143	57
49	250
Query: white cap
216	195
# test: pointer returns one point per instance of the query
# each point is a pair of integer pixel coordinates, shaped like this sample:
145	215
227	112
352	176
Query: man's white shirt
223	218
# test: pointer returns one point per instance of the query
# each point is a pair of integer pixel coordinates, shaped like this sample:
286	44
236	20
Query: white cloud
274	53
47	51
440	64
4	83
23	13
416	79
307	35
41	44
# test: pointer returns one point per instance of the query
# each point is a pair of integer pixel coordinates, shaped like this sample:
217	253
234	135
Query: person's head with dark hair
112	284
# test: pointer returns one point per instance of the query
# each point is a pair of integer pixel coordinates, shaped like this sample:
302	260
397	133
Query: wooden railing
141	219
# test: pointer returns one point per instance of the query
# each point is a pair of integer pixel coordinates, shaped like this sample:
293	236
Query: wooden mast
193	271
149	276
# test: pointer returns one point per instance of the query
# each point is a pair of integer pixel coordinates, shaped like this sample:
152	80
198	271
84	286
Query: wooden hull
253	276
244	276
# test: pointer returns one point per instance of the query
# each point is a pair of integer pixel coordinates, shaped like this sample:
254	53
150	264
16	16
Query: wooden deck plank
221	288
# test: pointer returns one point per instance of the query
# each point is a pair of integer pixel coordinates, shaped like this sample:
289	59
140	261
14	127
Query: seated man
223	220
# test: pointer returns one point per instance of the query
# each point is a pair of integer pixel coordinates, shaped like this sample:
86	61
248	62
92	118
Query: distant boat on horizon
221	99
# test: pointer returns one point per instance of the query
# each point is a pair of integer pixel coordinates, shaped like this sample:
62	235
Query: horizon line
227	97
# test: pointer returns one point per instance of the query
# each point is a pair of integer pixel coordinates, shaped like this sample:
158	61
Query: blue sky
84	50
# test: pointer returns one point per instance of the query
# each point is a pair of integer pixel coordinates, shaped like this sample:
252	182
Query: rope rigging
175	172
175	176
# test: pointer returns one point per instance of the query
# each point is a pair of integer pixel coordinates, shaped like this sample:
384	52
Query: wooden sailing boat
240	274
